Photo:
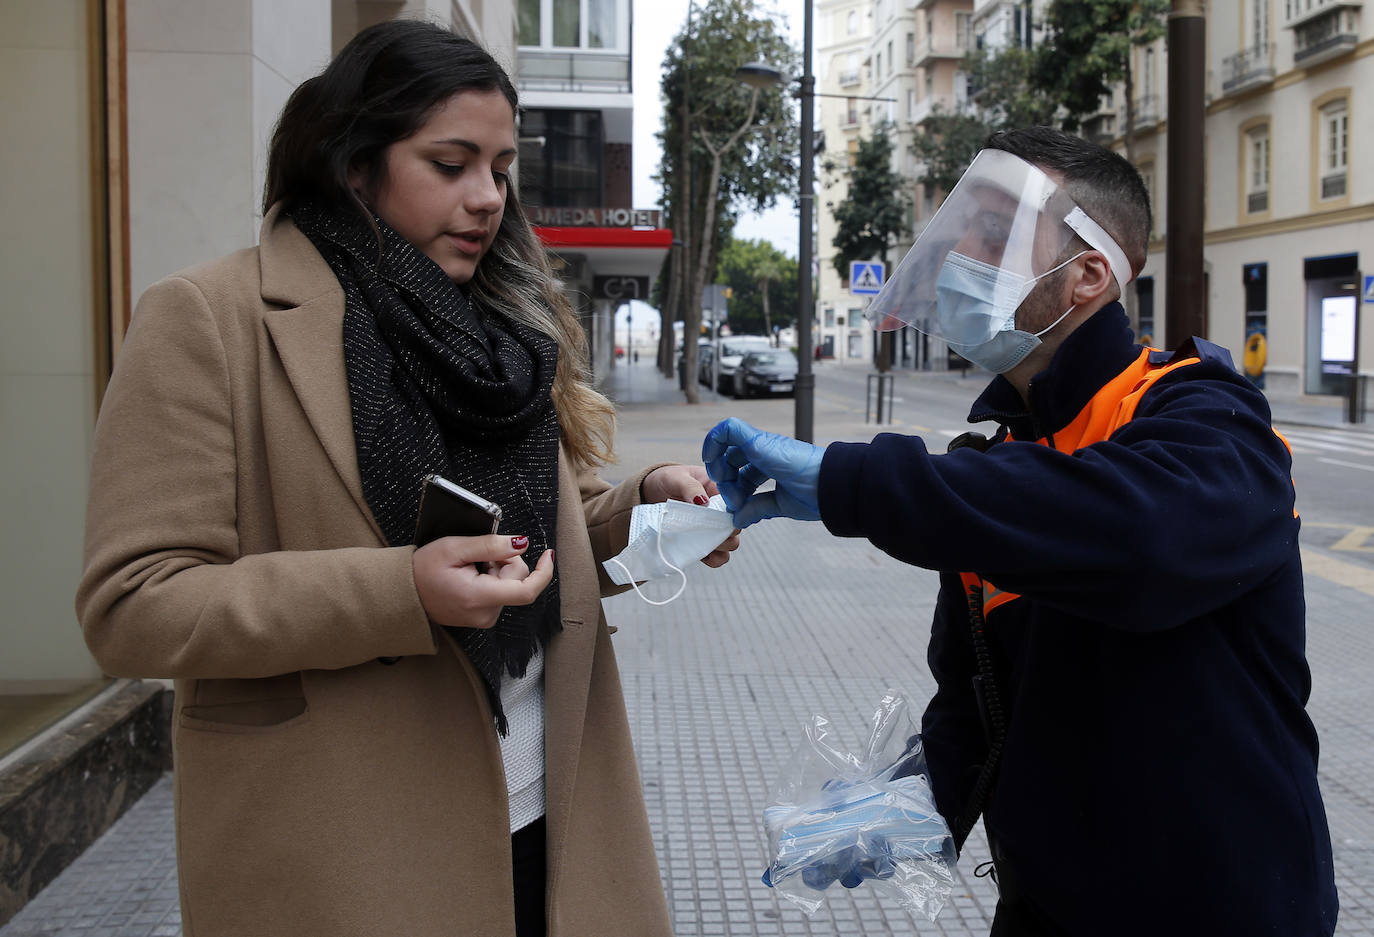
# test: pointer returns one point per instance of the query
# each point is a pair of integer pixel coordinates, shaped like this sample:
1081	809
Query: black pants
529	872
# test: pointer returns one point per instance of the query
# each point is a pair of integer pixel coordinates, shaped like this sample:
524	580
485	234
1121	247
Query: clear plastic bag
838	815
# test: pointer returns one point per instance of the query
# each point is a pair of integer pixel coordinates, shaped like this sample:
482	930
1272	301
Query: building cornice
1244	232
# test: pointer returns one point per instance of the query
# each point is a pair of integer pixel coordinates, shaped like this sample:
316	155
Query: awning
627	252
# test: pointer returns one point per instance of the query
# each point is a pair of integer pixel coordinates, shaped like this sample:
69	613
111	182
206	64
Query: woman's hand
455	591
678	483
687	483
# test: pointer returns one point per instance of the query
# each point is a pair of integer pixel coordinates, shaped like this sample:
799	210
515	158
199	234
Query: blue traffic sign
865	278
1369	289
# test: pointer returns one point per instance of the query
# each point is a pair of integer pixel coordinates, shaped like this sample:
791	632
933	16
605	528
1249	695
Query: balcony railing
574	71
1247	68
1100	128
1324	37
1146	112
1333	186
850	78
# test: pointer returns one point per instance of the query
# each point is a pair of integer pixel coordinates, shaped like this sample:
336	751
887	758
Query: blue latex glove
739	458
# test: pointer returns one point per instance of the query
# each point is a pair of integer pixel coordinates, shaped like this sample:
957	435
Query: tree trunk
692	314
668	313
767	322
690	329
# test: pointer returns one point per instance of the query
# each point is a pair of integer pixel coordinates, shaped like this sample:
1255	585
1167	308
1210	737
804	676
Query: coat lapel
308	336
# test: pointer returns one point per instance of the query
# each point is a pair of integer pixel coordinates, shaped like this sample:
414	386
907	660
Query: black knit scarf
438	387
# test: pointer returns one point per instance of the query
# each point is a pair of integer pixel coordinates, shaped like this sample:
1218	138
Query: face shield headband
1003	227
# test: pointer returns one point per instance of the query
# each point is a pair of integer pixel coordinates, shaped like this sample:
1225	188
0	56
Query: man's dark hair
1101	181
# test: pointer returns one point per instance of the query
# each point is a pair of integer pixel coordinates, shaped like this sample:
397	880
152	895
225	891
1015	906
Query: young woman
372	738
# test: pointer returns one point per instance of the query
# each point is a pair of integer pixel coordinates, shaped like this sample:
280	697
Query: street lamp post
760	74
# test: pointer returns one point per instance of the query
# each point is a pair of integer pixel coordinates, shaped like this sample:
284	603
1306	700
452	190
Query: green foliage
1003	94
701	62
1087	49
873	213
946	145
1003	89
749	268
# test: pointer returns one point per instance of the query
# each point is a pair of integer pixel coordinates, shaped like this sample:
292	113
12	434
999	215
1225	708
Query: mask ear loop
634	585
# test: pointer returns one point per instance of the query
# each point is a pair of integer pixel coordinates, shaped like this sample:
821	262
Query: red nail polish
519	543
702	500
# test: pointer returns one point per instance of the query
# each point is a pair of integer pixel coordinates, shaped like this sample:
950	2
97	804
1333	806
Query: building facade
576	159
1289	218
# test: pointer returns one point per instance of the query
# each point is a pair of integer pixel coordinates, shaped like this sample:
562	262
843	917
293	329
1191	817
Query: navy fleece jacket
1159	774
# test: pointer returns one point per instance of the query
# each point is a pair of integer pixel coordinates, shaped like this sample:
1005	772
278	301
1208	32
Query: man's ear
1096	286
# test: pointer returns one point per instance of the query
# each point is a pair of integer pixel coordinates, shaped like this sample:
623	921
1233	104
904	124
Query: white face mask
664	538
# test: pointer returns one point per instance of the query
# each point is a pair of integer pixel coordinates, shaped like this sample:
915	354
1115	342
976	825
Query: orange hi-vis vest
1110	408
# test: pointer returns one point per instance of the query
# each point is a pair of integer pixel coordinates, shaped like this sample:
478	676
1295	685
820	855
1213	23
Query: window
910	103
930	83
529	22
878	66
571	24
930	30
853	152
851	110
910	49
1257	170
601	24
852	23
1334	129
890	57
1259	23
962	23
567	23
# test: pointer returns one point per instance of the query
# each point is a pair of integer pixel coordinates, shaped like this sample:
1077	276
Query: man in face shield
1118	643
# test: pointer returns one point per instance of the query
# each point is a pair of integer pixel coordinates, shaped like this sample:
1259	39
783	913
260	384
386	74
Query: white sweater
523	749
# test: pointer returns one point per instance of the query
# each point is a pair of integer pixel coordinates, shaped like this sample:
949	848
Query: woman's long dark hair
381	88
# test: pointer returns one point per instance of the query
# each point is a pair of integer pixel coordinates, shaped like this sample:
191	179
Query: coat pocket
246	706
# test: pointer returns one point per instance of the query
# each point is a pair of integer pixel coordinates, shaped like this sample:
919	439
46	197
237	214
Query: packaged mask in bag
666	537
844	816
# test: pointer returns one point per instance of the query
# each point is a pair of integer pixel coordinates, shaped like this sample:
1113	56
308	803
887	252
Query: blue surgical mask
976	305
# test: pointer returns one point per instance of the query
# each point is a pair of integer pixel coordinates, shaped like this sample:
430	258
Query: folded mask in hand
664	538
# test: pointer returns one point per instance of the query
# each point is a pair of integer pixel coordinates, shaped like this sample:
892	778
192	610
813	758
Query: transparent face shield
1004	226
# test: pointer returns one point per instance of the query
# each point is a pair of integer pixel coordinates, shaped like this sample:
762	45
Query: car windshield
737	348
771	357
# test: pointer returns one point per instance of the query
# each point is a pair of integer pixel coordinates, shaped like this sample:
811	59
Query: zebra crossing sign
865	279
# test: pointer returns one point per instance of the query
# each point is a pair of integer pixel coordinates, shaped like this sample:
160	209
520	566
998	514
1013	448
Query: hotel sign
545	216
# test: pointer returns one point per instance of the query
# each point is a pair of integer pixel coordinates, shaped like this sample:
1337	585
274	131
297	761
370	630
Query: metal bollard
885	386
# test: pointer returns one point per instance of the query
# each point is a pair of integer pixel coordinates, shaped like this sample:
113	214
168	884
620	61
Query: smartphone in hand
449	510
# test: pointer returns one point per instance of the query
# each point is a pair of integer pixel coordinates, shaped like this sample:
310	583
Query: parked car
732	352
704	352
769	371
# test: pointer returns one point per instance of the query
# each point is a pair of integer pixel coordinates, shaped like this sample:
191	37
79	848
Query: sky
655	23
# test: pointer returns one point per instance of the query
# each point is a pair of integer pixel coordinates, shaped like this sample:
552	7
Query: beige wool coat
229	546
